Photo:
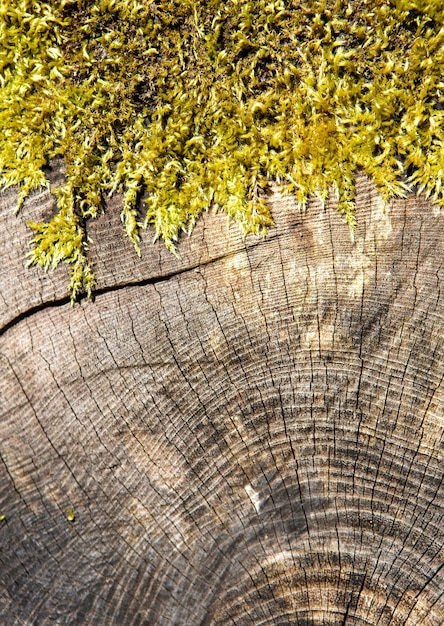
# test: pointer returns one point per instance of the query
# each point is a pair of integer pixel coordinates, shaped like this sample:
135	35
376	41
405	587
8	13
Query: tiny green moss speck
199	103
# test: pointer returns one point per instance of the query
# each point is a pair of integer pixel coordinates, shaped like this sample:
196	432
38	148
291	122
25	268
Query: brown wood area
250	434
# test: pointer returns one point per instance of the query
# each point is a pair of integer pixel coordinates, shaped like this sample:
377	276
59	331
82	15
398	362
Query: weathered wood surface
252	434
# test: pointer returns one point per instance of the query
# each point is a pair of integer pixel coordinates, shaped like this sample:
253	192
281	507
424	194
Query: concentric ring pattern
254	439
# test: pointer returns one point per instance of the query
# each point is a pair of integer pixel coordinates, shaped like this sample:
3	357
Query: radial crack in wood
256	439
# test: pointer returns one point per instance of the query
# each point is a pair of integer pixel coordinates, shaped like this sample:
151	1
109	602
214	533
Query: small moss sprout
70	515
188	104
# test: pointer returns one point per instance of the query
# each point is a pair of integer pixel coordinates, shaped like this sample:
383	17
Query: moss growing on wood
201	102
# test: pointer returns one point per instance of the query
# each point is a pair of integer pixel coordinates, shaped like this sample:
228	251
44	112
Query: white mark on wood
254	497
238	263
363	274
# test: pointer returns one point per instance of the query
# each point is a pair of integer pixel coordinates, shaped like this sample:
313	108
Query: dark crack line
353	601
154	280
33	311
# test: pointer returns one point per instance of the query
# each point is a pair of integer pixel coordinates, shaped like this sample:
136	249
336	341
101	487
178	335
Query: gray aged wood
252	434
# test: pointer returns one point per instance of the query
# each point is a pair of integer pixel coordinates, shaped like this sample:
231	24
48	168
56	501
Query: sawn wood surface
249	434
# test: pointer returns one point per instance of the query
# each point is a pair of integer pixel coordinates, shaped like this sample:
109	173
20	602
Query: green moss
194	103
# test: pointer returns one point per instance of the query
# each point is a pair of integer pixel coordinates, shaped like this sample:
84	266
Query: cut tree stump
249	434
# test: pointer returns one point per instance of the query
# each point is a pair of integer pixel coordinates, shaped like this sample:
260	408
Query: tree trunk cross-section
251	434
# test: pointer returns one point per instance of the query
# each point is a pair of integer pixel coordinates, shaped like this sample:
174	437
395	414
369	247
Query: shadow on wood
251	434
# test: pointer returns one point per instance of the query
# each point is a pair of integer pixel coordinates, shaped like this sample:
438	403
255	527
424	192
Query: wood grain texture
252	434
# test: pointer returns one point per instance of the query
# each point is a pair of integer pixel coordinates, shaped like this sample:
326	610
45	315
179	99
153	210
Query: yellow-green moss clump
201	102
